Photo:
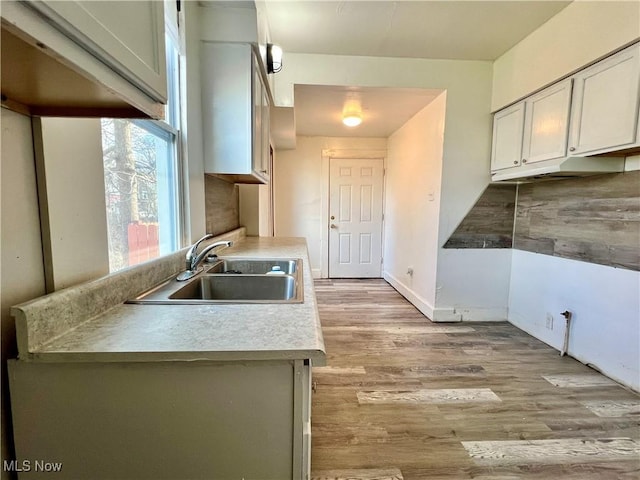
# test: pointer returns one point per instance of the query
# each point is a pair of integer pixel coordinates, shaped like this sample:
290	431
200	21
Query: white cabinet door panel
547	123
508	126
605	104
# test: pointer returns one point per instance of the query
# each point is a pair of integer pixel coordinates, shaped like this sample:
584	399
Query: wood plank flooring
405	399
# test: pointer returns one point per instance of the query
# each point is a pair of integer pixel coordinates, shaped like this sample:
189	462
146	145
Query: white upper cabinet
86	57
595	111
533	130
508	126
605	104
234	100
127	36
546	124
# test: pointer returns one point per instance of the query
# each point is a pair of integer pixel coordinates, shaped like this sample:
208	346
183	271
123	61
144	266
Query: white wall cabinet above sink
235	113
593	112
87	58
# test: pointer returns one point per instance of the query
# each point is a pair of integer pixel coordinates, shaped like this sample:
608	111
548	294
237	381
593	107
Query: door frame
327	155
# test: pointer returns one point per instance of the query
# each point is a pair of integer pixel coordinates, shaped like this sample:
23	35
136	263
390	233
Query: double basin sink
236	280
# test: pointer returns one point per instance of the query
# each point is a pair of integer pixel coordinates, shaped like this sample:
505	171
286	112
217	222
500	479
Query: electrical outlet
549	321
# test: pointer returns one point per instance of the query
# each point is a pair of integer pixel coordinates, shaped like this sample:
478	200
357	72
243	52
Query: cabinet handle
515	162
263	171
314	387
572	149
524	160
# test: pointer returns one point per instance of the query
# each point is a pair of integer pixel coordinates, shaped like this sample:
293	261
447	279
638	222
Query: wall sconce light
274	58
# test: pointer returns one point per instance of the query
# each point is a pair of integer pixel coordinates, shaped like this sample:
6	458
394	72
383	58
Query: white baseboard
316	273
474	314
446	314
420	303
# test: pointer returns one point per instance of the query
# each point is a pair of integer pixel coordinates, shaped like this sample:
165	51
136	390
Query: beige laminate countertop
133	332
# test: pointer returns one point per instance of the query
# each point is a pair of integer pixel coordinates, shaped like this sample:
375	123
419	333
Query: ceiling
318	109
461	30
452	29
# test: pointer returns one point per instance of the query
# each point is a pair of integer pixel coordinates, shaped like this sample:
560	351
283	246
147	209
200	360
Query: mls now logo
29	466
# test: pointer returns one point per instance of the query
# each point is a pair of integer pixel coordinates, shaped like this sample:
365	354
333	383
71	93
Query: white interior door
355	218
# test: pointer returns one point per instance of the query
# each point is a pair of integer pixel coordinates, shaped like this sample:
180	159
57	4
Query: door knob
333	226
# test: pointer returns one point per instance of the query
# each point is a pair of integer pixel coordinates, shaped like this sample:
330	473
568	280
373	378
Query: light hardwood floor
403	398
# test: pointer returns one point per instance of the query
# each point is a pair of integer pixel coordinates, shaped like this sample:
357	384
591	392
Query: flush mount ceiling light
352	119
274	58
352	111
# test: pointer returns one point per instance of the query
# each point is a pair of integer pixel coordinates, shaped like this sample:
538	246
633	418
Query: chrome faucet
193	260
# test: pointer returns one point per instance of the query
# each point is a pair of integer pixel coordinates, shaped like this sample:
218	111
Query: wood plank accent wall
593	219
221	205
489	224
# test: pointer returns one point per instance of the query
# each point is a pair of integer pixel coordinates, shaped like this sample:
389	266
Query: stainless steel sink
238	288
253	266
233	281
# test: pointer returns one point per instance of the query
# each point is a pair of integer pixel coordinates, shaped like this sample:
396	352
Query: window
143	184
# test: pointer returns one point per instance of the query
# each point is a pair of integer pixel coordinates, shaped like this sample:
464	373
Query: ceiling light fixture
352	119
274	58
352	110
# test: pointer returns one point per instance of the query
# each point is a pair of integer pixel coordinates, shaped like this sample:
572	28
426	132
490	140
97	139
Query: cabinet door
227	115
104	29
605	104
546	123
302	420
507	137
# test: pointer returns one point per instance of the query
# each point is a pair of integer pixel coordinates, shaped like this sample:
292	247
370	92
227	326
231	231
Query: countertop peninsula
147	333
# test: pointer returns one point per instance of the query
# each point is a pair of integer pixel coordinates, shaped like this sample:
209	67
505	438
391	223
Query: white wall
298	184
249	209
75	237
473	284
605	302
579	34
21	264
412	205
192	131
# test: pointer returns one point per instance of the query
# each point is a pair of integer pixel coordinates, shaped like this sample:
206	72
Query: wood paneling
489	224
378	342
221	205
593	219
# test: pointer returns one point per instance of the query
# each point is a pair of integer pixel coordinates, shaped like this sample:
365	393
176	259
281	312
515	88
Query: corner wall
412	205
